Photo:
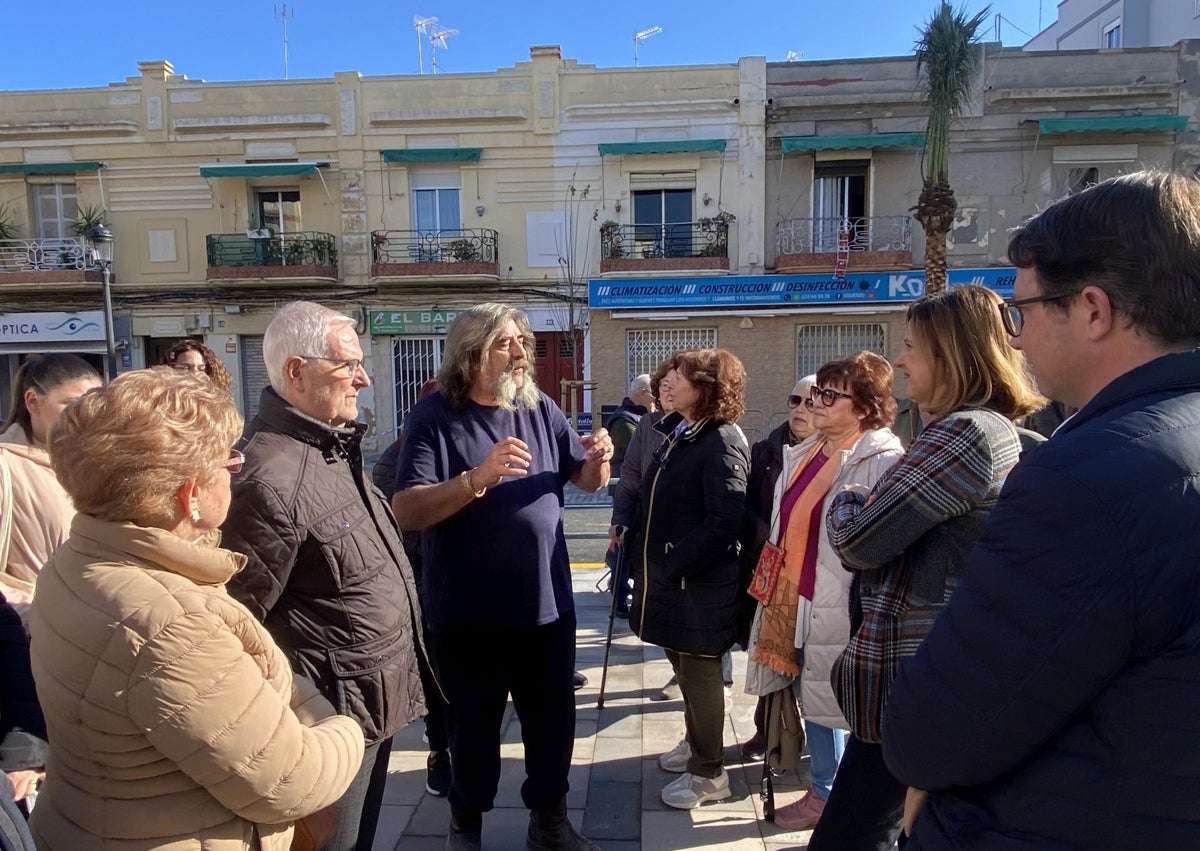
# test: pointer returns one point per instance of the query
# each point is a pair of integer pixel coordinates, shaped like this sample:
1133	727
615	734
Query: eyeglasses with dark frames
795	401
351	364
1014	319
828	396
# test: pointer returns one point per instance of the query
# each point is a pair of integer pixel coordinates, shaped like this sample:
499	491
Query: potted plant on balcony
610	240
9	229
462	250
716	234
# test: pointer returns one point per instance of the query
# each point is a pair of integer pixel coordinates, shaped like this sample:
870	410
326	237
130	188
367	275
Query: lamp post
102	243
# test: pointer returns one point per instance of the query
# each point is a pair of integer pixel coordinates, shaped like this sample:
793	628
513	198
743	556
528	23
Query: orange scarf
776	645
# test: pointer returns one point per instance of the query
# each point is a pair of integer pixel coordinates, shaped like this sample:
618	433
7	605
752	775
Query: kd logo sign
905	286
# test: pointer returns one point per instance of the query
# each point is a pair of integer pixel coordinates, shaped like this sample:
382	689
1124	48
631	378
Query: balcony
689	246
876	243
470	254
66	263
290	259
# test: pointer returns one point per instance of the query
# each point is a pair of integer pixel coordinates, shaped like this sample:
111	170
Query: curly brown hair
867	377
213	367
720	381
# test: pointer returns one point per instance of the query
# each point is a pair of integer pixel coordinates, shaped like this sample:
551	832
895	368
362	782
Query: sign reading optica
745	290
84	325
420	321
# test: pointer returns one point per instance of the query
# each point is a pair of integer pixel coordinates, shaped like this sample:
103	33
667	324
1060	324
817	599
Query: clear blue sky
74	44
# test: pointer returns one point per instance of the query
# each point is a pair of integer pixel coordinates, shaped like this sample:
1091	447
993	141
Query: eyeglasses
828	396
235	462
351	364
188	367
1014	319
795	401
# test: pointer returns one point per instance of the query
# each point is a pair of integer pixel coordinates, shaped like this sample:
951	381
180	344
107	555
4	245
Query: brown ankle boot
465	831
551	830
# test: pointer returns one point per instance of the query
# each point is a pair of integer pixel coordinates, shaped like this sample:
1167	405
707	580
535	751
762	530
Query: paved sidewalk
615	778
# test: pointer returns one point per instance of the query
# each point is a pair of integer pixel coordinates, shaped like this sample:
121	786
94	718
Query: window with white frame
663	211
278	209
816	345
1111	34
436	199
55	205
647	348
839	203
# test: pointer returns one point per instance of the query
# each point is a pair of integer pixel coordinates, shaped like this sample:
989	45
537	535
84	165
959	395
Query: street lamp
102	243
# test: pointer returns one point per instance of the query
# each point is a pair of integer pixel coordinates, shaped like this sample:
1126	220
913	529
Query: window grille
646	348
816	345
415	360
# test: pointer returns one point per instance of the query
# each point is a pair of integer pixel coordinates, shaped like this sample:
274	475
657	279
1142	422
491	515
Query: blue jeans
358	809
825	746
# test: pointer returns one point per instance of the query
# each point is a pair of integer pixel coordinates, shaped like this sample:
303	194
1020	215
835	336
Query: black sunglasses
828	396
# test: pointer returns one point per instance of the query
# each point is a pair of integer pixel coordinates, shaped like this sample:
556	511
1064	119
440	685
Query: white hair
808	382
640	383
299	328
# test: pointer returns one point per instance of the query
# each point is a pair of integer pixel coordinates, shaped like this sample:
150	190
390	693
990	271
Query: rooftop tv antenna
283	14
422	27
639	37
793	56
437	38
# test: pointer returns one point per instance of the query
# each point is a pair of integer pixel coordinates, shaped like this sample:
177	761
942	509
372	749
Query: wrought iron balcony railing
478	245
47	255
818	236
299	248
707	238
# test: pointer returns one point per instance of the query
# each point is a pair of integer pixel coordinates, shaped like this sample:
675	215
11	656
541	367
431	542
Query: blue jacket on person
1056	702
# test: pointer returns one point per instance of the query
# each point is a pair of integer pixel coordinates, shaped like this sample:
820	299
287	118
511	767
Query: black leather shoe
580	681
465	832
551	830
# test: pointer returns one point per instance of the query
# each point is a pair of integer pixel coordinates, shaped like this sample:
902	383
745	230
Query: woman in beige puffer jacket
174	720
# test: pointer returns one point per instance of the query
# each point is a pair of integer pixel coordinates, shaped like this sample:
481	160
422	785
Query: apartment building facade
630	211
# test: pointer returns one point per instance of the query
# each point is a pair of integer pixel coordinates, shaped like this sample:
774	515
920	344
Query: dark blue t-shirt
502	560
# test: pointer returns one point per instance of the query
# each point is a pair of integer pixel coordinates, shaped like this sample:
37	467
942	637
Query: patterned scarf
776	646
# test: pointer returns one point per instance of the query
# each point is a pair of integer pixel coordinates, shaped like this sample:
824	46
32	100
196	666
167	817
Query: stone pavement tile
392	821
579	779
621	722
430	819
417	843
505	828
406	787
617	760
703	827
613	812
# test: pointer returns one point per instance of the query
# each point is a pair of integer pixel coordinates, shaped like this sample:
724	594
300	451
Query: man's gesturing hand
509	457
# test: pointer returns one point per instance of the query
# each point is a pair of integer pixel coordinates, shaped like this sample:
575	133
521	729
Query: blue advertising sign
766	290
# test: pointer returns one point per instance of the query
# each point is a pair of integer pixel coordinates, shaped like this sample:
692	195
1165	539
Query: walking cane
617	588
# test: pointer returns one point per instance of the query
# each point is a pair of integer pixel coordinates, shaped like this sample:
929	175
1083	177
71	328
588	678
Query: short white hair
299	328
804	385
639	384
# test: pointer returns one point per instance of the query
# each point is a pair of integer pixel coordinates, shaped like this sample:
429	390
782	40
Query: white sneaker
676	759
690	791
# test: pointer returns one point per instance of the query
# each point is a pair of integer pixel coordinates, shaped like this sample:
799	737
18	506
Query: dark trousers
865	807
358	809
702	685
479	668
436	724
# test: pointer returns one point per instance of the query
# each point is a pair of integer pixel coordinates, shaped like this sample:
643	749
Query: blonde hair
973	363
124	450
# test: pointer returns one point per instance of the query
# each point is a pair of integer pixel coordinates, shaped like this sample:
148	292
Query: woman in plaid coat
905	540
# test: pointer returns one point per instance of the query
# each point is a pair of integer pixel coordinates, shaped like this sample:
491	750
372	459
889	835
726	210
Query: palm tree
946	51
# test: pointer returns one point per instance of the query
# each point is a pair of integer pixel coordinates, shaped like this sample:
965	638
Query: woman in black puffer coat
684	557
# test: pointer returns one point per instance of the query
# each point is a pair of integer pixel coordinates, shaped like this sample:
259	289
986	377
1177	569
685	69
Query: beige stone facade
404	199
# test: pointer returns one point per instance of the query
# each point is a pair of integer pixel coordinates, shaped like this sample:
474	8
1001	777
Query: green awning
431	155
850	143
682	146
50	168
257	169
1125	122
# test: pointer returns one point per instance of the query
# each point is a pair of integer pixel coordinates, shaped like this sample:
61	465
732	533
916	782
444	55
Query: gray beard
511	397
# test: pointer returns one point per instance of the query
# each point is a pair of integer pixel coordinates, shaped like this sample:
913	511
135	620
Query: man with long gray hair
482	472
327	574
